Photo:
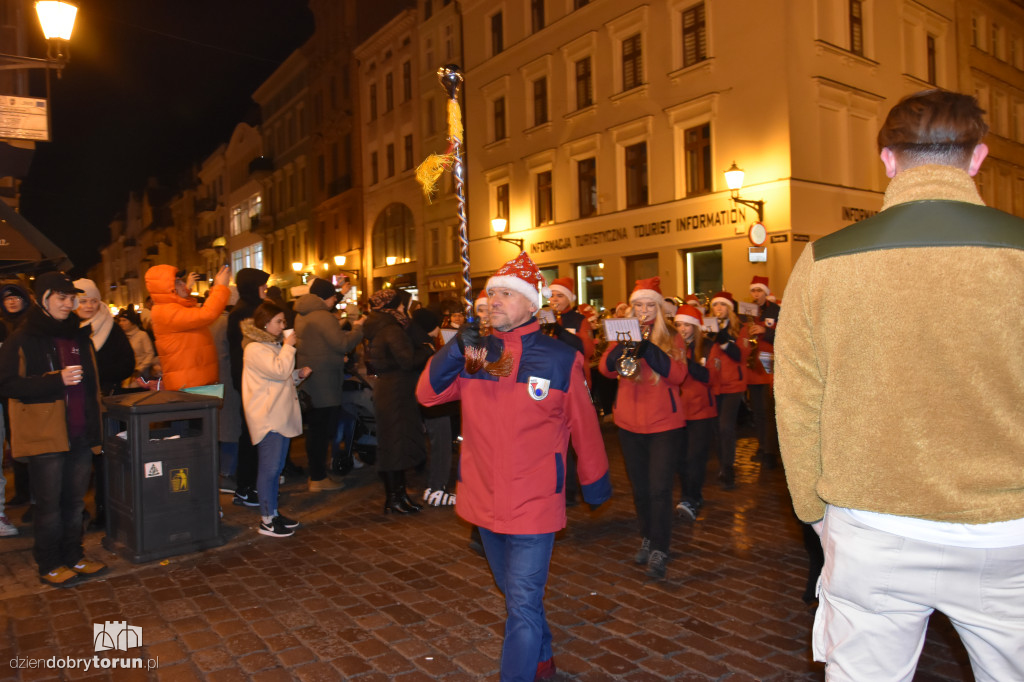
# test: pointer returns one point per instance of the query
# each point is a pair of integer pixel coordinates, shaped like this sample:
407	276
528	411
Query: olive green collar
931	182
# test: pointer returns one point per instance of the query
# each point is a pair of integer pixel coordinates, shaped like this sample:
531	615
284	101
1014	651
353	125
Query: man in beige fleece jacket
901	431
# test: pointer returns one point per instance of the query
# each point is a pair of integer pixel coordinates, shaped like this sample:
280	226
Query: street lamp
499	225
340	261
391	260
57	19
734	180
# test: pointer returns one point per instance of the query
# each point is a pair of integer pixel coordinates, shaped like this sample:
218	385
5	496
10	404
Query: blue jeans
273	450
59	481
519	564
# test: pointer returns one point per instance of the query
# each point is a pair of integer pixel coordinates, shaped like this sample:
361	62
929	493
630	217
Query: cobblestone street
355	594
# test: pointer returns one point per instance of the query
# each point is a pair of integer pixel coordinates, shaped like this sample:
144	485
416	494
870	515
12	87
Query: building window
540	101
857	27
586	174
995	42
697	146
931	59
704	270
501	201
636	175
497	34
373	101
394	234
975	42
499	119
428	8
408	152
431	116
695	37
641	267
632	63
373	168
584	84
321	172
537	14
590	280
390	159
389	92
406	81
576	4
545	212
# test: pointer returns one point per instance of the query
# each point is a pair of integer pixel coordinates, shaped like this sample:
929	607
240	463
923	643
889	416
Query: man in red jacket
517	415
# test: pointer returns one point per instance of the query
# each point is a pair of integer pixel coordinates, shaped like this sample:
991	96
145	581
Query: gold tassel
429	172
454	121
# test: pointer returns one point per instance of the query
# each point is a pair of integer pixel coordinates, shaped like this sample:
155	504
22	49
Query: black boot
393	503
404	494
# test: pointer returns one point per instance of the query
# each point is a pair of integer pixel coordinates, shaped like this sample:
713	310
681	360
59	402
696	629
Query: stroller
357	429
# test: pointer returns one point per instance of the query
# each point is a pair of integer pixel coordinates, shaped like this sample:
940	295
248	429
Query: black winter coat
401	442
37	392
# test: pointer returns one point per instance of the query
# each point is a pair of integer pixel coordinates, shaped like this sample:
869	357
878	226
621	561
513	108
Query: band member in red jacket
700	411
650	419
760	377
517	415
726	360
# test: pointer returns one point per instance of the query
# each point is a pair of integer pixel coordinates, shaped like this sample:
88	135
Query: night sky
152	87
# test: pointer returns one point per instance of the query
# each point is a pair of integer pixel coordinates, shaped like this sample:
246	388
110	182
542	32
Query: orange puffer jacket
182	329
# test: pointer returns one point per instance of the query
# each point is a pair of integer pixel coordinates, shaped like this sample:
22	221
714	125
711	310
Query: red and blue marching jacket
516	431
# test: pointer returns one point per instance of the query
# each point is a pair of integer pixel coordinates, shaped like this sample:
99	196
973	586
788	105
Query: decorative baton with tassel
428	173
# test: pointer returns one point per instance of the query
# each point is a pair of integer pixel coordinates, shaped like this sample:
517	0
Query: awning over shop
24	249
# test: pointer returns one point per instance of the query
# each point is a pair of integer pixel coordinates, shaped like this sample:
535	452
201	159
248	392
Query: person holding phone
181	326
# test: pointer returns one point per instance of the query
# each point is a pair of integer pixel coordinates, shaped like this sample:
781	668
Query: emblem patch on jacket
538	388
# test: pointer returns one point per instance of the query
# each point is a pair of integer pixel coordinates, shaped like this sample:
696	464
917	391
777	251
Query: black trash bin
162	474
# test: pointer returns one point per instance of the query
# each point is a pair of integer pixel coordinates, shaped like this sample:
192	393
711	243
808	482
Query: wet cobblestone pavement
358	595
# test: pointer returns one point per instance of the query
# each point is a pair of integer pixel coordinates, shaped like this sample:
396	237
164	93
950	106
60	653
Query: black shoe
292	469
275	529
288	523
227	484
246	497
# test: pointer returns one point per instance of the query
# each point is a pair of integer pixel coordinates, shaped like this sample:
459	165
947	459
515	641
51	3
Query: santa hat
689	315
586	310
760	283
481	298
522	275
691	299
771	297
564	286
647	289
724	297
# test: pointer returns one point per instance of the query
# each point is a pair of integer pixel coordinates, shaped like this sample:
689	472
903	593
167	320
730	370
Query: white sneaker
7	529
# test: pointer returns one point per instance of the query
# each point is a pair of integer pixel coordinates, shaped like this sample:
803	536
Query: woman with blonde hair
649	414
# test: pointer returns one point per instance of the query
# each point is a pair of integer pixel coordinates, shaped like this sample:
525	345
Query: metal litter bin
162	474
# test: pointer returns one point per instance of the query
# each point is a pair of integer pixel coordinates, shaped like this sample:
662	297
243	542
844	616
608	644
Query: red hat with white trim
647	289
564	286
521	275
689	315
691	299
481	298
760	283
724	297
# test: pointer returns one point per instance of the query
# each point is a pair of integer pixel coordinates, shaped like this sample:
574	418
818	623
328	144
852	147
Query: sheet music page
750	309
614	326
448	334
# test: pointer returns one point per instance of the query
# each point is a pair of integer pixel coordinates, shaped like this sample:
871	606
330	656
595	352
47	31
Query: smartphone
200	278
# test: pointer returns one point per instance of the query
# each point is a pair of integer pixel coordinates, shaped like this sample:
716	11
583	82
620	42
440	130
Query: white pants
879	589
